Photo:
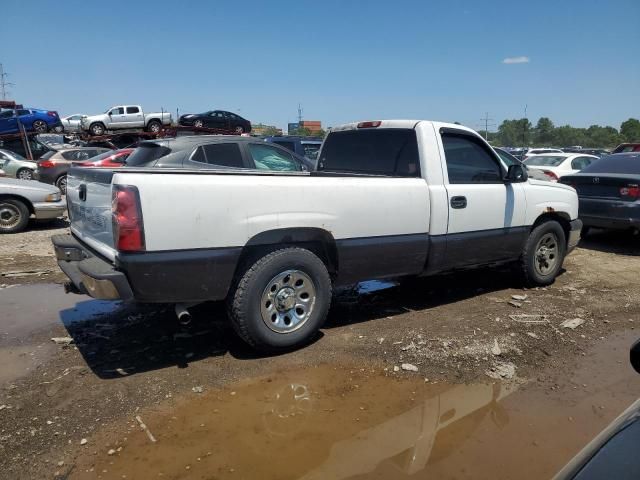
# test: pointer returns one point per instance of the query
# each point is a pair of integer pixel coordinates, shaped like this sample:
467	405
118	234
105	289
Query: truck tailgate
89	206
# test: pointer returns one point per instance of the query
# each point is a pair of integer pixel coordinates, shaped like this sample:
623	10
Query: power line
488	122
3	83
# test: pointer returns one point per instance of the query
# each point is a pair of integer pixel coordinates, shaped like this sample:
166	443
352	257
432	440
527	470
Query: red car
108	159
627	147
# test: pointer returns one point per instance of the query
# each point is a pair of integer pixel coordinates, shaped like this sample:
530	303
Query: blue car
33	120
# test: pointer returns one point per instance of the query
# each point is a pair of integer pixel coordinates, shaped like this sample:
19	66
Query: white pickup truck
124	116
393	198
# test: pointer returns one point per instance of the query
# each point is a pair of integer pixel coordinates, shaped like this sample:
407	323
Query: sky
575	61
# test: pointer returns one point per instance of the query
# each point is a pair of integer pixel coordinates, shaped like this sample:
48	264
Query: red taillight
552	176
52	114
128	229
46	164
373	124
632	191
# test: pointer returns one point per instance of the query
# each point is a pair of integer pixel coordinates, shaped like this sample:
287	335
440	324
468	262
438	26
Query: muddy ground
492	371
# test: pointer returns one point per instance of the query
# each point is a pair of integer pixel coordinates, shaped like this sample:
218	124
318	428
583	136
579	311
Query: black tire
154	126
198	123
97	129
14	216
61	183
58	129
245	303
239	130
24	174
532	262
40	126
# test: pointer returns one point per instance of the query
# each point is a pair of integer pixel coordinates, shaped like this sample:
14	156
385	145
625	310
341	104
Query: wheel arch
562	218
26	201
316	240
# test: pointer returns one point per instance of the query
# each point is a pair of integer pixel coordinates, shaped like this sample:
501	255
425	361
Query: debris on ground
198	389
62	340
520	298
513	303
532	335
573	323
111	452
495	350
409	367
529	318
146	430
502	370
83	441
396	368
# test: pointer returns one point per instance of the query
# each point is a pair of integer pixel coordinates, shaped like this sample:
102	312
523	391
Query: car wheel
61	183
198	124
282	300
25	174
40	126
543	254
96	129
14	216
239	130
58	129
154	126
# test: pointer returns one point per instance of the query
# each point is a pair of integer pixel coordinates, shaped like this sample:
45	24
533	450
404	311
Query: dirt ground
65	407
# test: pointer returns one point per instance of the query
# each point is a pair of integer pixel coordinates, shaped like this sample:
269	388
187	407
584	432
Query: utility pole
3	82
299	114
524	126
486	121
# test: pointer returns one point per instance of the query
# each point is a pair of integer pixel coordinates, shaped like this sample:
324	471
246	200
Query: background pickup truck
124	116
390	199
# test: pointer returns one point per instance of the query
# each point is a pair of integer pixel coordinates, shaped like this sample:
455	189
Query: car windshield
544	161
629	164
15	155
147	153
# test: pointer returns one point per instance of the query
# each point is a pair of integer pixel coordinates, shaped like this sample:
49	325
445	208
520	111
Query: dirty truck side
390	199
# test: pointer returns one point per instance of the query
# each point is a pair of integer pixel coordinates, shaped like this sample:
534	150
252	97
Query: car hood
16	184
544	183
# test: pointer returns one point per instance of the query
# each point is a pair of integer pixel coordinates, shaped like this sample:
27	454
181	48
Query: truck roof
401	124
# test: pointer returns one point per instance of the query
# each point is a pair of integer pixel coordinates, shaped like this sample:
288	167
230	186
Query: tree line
521	132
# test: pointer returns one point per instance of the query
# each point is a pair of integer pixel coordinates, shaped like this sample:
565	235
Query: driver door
117	118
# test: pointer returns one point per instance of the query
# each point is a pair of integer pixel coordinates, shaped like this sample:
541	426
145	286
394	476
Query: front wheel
239	130
25	174
198	124
40	126
154	126
97	129
14	216
282	300
543	254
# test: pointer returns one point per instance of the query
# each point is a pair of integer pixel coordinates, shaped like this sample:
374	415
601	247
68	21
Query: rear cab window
380	151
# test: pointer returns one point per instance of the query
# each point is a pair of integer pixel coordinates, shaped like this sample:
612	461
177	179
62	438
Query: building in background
313	126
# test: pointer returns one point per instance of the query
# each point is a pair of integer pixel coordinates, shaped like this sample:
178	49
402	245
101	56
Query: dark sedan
216	119
609	192
215	152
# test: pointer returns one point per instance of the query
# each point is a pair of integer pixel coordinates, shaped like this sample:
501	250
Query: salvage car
72	122
15	142
110	159
609	192
219	119
52	167
214	152
32	119
16	166
395	198
125	116
19	200
556	165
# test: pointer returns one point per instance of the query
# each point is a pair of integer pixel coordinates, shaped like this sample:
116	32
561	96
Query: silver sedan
16	166
20	199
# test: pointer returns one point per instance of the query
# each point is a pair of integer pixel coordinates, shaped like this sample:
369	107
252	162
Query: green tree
630	130
512	133
543	132
598	136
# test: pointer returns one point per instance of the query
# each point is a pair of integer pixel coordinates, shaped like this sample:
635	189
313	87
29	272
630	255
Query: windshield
147	153
544	161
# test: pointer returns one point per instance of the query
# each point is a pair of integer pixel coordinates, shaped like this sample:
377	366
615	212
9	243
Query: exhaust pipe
182	312
69	287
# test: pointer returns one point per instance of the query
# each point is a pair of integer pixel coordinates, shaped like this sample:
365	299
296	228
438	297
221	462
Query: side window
24	112
133	110
468	161
198	155
6	114
267	157
117	111
223	154
579	163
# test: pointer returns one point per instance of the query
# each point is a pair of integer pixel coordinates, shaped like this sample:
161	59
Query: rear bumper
49	210
90	274
574	234
610	214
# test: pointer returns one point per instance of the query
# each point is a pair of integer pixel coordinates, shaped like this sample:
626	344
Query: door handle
458	202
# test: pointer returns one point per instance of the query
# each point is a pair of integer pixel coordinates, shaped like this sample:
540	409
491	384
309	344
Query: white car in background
539	151
556	165
72	122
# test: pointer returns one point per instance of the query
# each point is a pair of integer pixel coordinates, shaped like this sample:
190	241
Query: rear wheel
198	124
25	174
239	130
154	126
14	216
282	300
40	126
61	183
543	254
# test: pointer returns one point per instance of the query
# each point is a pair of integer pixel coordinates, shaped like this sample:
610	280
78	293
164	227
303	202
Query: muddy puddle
341	420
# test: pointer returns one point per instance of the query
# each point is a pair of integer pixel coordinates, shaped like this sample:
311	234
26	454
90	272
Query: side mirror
110	113
634	356
516	173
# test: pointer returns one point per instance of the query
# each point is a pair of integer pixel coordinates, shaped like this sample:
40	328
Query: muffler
182	312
